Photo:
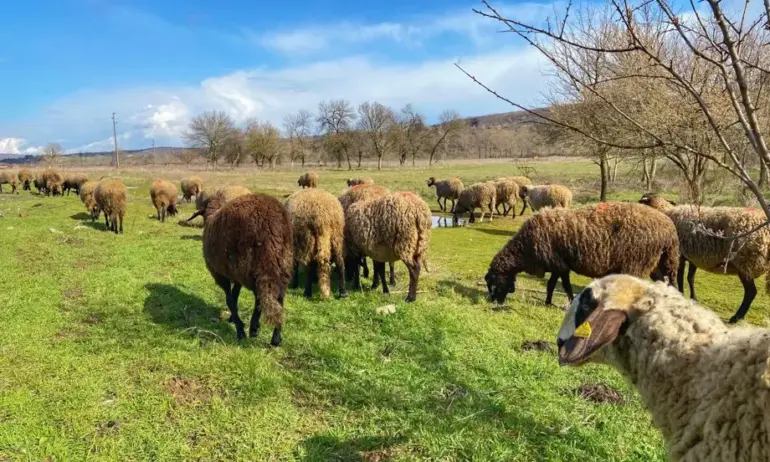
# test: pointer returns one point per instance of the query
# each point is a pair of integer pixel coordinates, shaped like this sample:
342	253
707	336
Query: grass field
118	348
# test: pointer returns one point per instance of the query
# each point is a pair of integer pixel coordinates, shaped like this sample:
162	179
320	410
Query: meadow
117	347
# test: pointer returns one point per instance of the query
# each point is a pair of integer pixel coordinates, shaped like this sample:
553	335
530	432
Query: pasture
117	347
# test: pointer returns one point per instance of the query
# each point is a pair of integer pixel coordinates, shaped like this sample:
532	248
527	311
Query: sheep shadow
496	232
82	216
365	448
183	311
192	237
469	292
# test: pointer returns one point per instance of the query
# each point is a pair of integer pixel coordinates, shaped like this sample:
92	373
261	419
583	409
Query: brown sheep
191	186
53	181
387	229
446	189
357	181
247	242
318	227
87	197
9	178
25	178
550	195
39	183
225	193
163	196
73	182
477	195
308	180
607	238
507	193
110	197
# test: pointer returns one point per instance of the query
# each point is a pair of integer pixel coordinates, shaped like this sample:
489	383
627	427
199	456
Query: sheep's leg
481	220
680	273
340	267
376	274
351	267
440	207
106	222
453	206
497	207
295	277
567	285
121	223
366	267
276	339
254	324
523	207
392	273
414	277
550	287
691	280
310	276
379	275
749	292
233	305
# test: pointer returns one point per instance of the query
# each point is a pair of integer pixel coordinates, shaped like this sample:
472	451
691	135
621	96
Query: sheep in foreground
87	197
25	178
73	183
477	195
247	242
318	227
507	193
447	189
748	257
357	181
387	229
308	180
706	386
607	238
163	196
191	186
53	181
550	195
10	179
110	197
225	193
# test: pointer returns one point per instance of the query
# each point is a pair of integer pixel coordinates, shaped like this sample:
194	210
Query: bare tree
413	134
187	155
263	142
298	128
449	125
335	121
378	123
233	147
52	153
209	131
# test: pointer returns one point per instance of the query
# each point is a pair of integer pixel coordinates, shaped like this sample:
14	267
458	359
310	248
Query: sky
67	65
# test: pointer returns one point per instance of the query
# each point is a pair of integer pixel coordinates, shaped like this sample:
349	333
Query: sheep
25	178
606	238
53	181
247	242
705	385
39	183
506	193
225	193
87	197
550	195
10	179
357	181
355	194
163	196
318	227
110	197
73	182
447	189
387	229
308	180
748	257
191	187
520	180
477	195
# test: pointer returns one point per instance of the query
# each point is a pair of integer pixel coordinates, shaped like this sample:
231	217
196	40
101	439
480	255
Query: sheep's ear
599	329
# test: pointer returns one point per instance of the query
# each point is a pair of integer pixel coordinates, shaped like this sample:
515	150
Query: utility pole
153	153
115	138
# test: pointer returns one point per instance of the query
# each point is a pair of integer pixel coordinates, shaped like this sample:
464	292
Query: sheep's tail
422	223
669	263
272	311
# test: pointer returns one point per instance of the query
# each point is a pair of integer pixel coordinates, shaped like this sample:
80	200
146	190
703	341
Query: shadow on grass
475	294
192	237
81	216
496	232
363	449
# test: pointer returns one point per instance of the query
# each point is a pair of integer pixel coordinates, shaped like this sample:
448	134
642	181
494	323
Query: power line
115	138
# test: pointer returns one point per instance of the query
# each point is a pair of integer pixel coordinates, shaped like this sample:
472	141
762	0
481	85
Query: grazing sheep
308	180
447	189
520	180
706	386
73	182
110	197
318	227
506	193
748	257
387	229
87	197
550	195
191	186
163	196
9	178
25	178
53	181
225	193
477	195
607	238
39	183
357	181
247	242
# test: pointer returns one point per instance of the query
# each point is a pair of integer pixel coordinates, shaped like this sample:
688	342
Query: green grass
117	348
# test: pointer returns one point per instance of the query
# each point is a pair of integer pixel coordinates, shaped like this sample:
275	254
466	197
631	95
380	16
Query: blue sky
66	65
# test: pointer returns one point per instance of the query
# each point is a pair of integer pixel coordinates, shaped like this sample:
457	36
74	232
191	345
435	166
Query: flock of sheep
707	386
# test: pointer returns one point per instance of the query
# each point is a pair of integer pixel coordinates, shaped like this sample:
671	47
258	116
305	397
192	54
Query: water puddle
440	221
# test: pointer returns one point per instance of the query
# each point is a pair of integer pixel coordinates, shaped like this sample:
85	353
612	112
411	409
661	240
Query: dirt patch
378	455
73	292
70	240
23	214
93	319
537	345
599	393
189	391
81	266
105	428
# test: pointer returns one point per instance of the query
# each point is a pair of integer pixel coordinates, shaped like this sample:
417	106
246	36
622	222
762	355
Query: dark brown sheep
39	183
607	238
25	178
308	180
73	182
357	181
191	186
53	181
110	197
225	193
163	196
248	243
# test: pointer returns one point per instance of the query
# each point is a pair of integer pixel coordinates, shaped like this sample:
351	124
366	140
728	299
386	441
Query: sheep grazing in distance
357	181
507	193
308	180
87	197
224	194
446	189
53	181
191	186
247	242
25	178
550	195
477	195
748	257
39	183
110	197
163	196
387	229
10	179
73	183
706	386
607	238
318	227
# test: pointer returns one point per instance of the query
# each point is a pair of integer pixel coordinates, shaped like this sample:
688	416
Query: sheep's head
172	210
598	316
499	285
431	181
523	192
350	181
657	202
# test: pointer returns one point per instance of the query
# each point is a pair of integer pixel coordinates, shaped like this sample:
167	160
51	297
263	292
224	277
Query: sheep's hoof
410	299
231	318
276	340
253	333
343	295
733	320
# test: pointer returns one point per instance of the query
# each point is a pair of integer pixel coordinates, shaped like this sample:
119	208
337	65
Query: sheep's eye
586	306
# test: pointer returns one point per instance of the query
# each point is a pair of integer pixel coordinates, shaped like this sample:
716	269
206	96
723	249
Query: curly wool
477	195
87	198
110	197
25	178
705	385
357	181
53	182
308	180
39	182
191	186
360	192
507	194
9	178
542	196
520	180
163	197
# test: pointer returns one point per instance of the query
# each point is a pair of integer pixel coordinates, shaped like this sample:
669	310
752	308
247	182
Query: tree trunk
653	170
615	163
604	171
347	156
762	175
379	162
414	160
645	175
360	156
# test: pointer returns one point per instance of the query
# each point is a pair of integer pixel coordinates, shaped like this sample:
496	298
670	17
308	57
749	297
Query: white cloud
17	146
